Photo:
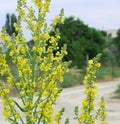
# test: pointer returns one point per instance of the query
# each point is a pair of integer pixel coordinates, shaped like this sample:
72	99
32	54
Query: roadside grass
117	92
75	76
72	78
104	73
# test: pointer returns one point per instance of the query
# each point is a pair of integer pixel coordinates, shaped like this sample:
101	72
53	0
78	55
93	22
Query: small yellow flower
90	62
42	66
47	36
17	116
62	21
39	50
52	40
84	116
55	19
98	65
22	93
35	38
6	91
34	48
33	119
103	122
11	53
7	114
23	1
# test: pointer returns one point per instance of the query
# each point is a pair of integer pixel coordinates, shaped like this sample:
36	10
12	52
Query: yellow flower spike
38	69
88	106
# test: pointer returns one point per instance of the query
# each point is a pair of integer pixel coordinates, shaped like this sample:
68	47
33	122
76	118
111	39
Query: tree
117	39
117	44
10	20
110	51
7	24
81	40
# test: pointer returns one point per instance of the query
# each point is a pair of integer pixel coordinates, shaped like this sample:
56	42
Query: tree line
83	42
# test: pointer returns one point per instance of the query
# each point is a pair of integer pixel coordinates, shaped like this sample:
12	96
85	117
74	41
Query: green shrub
70	80
117	92
108	73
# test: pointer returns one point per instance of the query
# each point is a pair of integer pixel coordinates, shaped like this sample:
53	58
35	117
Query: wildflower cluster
88	107
9	107
3	66
101	113
39	69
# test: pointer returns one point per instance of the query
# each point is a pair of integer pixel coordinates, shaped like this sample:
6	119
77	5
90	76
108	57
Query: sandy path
71	97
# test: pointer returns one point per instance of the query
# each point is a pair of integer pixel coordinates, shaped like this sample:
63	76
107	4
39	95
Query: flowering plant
39	70
87	115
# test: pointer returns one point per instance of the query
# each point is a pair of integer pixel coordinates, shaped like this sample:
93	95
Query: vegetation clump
39	70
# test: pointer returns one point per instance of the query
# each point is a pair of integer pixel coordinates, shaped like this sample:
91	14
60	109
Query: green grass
117	92
104	73
75	76
108	73
72	78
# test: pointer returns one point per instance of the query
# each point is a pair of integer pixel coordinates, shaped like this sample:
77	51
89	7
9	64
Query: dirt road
71	97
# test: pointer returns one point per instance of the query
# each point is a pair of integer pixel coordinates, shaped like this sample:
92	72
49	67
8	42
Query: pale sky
100	14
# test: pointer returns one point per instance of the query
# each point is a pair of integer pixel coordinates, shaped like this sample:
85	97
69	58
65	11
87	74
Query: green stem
19	93
11	110
39	119
28	52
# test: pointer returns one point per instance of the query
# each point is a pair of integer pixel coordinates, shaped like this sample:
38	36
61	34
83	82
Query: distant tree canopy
81	40
9	24
117	44
117	39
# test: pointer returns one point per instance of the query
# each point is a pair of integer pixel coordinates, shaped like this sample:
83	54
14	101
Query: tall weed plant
39	70
87	114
